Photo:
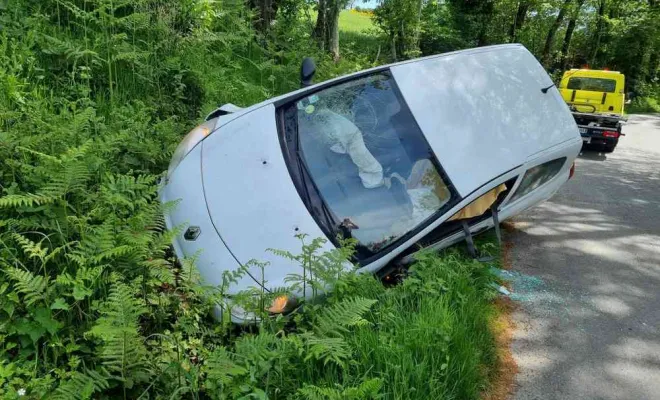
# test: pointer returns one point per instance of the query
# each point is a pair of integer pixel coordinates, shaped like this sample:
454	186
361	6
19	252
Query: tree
473	19
545	57
519	20
266	10
327	25
600	22
569	35
401	21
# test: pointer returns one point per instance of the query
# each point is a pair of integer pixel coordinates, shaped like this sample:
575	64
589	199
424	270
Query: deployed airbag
480	205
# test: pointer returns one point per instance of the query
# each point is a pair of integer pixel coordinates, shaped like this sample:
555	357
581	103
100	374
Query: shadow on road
593	327
592	154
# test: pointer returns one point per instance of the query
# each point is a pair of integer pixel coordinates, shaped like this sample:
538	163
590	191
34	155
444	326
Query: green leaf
44	318
59	304
79	292
26	327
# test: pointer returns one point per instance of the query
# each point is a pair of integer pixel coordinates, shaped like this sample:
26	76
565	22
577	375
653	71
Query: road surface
587	266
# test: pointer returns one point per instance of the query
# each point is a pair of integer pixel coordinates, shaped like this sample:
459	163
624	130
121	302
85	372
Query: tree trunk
326	30
320	30
486	17
517	24
545	57
266	11
654	65
569	35
401	45
598	33
393	45
333	30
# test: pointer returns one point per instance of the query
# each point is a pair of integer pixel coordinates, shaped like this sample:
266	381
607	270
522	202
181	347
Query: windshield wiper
329	220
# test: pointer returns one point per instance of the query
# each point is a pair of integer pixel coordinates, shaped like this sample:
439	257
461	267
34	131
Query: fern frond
327	349
32	287
335	320
221	368
26	200
369	389
30	248
123	352
81	386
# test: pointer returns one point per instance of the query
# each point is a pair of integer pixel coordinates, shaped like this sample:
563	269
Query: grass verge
644	105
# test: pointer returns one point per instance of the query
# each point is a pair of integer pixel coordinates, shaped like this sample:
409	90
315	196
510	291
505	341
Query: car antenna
545	89
307	71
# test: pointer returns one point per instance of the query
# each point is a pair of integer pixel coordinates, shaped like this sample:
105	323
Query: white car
422	153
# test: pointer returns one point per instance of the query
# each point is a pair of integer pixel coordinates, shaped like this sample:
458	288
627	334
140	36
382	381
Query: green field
350	21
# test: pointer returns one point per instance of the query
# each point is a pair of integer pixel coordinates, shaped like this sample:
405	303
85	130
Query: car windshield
369	161
592	84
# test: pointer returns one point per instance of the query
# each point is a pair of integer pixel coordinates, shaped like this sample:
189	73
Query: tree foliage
620	35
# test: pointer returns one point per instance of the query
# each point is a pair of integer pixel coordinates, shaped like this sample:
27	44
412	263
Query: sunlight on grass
351	21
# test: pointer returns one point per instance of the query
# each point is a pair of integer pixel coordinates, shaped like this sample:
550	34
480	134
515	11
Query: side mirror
307	71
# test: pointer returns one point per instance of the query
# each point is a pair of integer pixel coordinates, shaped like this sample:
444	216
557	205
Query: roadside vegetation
95	95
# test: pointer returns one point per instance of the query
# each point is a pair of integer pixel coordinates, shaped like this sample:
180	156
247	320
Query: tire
608	148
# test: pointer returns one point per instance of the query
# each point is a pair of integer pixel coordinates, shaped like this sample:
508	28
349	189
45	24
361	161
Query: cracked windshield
369	160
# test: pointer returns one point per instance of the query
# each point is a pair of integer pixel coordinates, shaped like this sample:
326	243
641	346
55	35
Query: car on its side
418	154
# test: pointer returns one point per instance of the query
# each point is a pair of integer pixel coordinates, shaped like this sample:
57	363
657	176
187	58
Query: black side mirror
307	71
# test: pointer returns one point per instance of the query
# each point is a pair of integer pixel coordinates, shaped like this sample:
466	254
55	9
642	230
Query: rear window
537	176
592	84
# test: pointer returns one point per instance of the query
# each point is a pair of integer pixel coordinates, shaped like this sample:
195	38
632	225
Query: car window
368	160
592	84
537	176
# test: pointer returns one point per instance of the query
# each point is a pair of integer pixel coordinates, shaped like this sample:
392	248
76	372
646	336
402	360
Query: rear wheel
609	148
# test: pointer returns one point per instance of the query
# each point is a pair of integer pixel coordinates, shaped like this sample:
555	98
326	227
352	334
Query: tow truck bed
601	130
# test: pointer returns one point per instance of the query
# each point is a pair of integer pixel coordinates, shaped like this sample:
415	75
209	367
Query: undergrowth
647	100
94	96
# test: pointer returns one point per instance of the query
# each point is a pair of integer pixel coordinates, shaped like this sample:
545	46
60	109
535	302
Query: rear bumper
600	136
600	141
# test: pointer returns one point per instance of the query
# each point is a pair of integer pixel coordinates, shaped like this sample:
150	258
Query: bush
647	99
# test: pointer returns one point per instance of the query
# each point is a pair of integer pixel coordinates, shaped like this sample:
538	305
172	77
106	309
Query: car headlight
192	139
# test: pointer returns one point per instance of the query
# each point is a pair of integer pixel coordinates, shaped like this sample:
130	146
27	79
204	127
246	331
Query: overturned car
418	154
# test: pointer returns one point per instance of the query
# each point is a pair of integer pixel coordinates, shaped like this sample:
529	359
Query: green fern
33	288
82	386
221	370
31	249
26	200
327	349
122	352
368	389
337	318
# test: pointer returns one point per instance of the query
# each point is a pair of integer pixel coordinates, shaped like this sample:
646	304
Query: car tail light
612	134
572	171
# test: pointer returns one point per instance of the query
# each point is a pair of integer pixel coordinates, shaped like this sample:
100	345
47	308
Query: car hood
483	111
251	198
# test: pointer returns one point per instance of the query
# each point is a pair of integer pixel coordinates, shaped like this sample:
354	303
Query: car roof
290	96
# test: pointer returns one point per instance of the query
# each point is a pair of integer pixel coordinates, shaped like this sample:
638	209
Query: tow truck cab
596	99
594	91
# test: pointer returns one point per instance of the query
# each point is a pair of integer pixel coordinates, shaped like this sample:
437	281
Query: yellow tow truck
596	99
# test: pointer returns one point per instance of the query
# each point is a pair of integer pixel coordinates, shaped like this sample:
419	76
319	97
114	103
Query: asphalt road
587	277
